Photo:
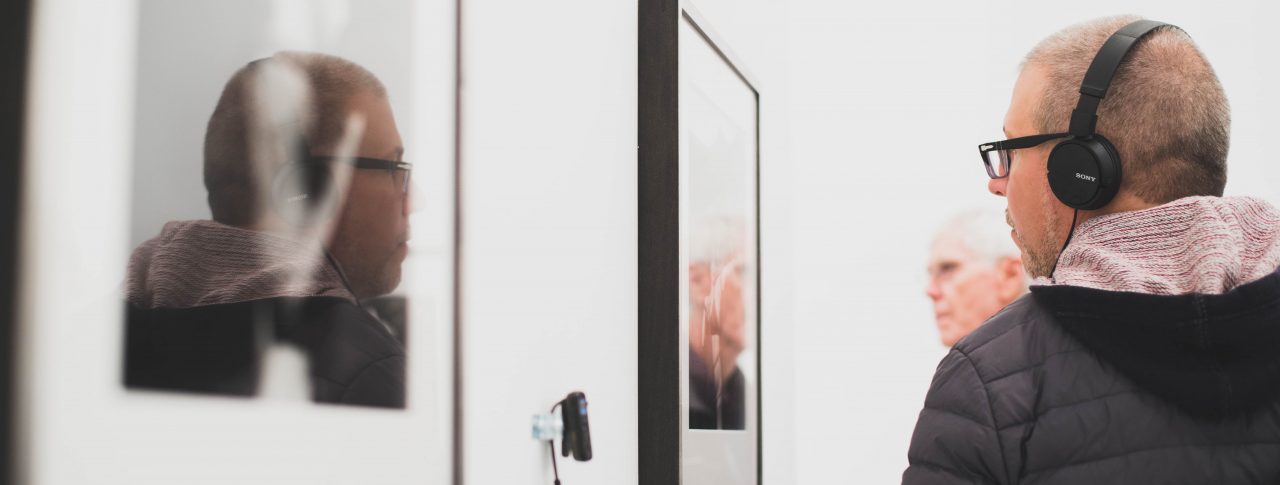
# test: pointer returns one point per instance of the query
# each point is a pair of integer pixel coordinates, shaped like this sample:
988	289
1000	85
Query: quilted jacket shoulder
1022	401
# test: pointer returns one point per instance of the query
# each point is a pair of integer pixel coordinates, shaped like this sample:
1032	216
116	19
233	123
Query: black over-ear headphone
1084	170
302	190
303	193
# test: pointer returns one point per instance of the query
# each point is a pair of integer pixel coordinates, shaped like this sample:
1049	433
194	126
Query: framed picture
699	254
219	280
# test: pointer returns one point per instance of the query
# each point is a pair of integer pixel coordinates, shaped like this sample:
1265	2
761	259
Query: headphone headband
1097	79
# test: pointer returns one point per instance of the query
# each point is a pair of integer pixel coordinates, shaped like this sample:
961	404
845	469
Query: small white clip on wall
548	427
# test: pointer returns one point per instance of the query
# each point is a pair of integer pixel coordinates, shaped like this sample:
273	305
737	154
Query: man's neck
1124	202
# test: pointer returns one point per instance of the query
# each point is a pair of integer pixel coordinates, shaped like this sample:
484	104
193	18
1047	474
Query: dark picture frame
15	24
661	389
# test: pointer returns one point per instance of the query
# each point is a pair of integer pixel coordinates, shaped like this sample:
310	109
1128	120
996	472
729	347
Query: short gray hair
1166	112
314	102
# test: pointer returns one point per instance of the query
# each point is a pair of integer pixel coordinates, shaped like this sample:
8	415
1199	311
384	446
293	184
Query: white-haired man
1148	350
974	271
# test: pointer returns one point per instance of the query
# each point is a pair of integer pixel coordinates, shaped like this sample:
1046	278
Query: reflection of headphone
711	302
302	191
1084	170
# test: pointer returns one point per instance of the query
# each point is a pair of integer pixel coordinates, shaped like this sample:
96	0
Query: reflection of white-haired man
717	319
975	269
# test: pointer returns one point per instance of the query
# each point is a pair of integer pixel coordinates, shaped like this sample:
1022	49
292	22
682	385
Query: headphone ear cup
1084	173
1110	174
301	192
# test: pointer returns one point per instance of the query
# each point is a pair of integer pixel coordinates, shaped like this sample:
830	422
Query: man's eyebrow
396	153
1005	130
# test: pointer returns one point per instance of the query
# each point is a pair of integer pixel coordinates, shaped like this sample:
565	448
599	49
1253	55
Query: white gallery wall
549	234
549	262
889	102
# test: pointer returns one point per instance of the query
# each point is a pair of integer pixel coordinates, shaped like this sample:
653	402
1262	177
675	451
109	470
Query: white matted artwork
122	118
719	198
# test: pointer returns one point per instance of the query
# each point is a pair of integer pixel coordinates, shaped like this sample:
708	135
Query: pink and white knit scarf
1191	245
196	263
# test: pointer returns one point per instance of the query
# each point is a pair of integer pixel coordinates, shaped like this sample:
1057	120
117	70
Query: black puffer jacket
1071	385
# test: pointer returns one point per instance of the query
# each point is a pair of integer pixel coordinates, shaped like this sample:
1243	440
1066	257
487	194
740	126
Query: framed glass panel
240	243
699	255
719	201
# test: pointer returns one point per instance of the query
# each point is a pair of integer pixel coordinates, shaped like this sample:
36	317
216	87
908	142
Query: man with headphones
1148	350
310	202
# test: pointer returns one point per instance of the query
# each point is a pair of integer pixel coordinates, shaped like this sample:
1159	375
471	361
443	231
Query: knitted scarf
196	263
1191	245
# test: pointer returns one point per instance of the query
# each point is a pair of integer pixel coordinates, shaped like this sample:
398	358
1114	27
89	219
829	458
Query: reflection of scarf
196	263
1191	245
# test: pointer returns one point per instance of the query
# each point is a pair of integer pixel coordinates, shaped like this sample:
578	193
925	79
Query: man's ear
1011	278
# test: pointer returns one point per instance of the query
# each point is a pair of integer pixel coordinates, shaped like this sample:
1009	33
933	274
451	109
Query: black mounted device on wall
577	433
570	427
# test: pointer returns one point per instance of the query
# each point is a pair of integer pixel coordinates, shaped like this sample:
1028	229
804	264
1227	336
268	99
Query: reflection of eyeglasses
998	156
400	170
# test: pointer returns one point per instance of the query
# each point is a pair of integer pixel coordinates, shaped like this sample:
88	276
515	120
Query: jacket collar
1213	355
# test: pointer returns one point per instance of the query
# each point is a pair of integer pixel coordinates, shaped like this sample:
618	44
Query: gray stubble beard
1040	256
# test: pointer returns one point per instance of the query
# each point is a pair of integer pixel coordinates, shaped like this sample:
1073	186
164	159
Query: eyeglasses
400	171
998	155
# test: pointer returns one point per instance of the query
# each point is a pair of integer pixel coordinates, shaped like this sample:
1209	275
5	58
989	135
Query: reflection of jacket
206	299
217	349
1072	385
702	397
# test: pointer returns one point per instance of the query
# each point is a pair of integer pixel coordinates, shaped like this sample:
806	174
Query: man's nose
409	207
998	186
932	290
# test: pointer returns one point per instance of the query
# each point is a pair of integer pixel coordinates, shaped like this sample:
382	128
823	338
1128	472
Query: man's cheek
966	296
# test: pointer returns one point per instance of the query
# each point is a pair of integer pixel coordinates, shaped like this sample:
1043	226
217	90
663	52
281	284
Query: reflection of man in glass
717	319
975	269
302	162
